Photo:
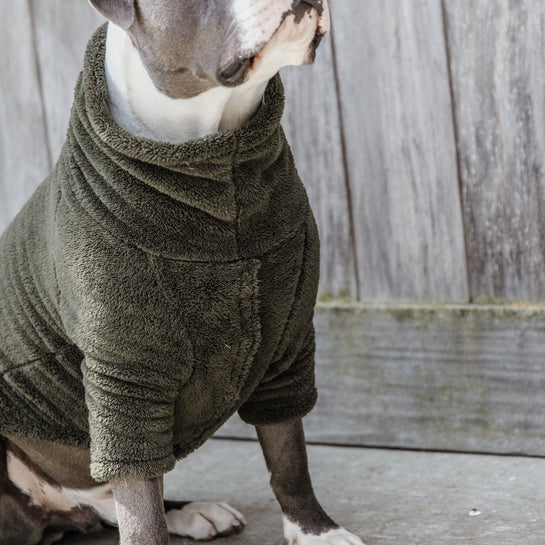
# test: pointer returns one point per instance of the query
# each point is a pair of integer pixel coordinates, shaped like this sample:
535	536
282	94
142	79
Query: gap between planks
311	443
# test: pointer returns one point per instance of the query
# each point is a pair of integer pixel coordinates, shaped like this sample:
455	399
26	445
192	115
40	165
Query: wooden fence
419	133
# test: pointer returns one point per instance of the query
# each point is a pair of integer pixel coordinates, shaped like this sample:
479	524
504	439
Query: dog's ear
120	12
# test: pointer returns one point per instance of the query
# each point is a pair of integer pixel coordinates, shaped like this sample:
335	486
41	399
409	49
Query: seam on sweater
237	200
20	313
164	255
260	256
73	166
3	356
306	353
41	315
54	258
158	280
300	279
240	321
247	278
18	366
252	333
46	356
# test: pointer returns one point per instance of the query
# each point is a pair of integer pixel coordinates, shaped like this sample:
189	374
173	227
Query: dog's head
190	46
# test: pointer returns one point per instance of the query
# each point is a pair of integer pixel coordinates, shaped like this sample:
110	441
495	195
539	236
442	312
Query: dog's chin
294	42
310	56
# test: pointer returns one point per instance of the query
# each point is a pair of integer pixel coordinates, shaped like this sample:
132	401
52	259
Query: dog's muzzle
234	72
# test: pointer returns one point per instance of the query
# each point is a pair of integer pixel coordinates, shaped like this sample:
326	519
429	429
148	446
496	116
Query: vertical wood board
23	146
497	52
63	29
399	132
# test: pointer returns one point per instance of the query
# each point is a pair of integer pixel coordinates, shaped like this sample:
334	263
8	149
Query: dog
91	448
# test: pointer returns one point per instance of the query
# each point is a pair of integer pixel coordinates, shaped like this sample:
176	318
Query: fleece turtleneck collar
223	197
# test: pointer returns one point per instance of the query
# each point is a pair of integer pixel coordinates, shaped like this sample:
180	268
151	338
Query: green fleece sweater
150	290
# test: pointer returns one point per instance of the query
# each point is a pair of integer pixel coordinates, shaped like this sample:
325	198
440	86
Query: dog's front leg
140	511
305	521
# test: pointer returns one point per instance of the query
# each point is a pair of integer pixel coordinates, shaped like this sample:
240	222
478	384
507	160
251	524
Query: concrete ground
387	497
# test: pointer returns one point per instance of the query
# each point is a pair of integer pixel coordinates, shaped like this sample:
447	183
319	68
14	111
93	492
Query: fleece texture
150	290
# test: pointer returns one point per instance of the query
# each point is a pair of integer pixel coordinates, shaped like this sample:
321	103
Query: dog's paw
205	520
337	536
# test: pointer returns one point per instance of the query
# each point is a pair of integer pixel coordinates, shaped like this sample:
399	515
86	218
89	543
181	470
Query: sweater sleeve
131	418
136	355
288	391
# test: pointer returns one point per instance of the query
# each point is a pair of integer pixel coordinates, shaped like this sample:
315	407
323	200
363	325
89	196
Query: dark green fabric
149	290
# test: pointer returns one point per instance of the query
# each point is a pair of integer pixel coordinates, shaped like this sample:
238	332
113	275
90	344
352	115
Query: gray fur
120	12
140	512
185	44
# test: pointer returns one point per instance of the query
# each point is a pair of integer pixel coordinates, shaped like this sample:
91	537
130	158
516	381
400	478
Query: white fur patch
141	109
138	107
289	46
258	20
204	520
338	536
100	498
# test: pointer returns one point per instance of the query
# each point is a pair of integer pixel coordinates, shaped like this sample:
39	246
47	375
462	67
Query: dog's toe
205	520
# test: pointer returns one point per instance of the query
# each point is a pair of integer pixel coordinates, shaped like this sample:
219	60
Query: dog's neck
137	105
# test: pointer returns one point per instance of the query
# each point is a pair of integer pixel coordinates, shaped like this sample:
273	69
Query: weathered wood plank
496	52
313	129
397	118
457	378
62	31
23	148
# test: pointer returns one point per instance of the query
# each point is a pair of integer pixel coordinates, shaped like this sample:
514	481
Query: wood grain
496	53
456	378
62	31
23	147
397	119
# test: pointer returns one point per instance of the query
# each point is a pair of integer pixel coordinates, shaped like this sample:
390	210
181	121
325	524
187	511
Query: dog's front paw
205	520
336	536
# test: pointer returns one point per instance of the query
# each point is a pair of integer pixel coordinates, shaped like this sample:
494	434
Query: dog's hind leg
19	523
34	509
